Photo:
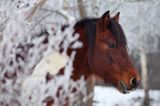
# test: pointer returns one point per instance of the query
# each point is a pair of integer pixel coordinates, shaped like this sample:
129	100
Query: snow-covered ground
106	96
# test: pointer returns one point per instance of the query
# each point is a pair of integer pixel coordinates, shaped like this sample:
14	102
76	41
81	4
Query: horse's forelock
117	32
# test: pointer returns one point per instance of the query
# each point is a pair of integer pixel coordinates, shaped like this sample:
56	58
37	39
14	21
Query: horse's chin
122	87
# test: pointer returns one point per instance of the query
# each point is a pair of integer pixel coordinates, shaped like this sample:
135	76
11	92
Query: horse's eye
112	45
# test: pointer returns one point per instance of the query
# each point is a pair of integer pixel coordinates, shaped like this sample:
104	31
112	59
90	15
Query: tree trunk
90	81
145	85
90	90
81	7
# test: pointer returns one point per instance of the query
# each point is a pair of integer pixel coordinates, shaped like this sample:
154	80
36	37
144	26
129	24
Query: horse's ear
105	18
116	17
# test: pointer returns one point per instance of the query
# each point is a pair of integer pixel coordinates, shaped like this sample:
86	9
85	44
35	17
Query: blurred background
140	20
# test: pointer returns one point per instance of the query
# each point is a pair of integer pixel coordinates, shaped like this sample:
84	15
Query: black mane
84	21
90	27
117	32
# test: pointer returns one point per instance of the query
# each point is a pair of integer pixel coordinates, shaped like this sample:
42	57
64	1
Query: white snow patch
51	63
106	96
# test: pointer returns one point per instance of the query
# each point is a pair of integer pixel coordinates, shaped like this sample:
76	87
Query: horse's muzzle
123	88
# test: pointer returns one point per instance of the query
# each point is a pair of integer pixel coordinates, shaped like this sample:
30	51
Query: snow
107	96
14	30
51	63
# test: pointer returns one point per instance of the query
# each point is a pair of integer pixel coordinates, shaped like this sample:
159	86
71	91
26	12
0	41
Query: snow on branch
22	49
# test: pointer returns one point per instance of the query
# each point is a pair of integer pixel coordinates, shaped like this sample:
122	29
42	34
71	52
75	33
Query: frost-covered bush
23	44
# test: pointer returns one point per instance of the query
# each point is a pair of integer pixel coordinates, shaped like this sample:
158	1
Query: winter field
31	29
106	96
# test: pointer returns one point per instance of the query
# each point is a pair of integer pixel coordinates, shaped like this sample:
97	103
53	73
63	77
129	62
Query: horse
104	54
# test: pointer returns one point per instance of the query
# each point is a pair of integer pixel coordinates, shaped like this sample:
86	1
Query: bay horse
104	54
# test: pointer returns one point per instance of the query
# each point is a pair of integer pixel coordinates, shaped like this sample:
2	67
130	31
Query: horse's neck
80	65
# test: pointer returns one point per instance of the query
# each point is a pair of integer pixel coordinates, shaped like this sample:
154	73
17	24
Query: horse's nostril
133	82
